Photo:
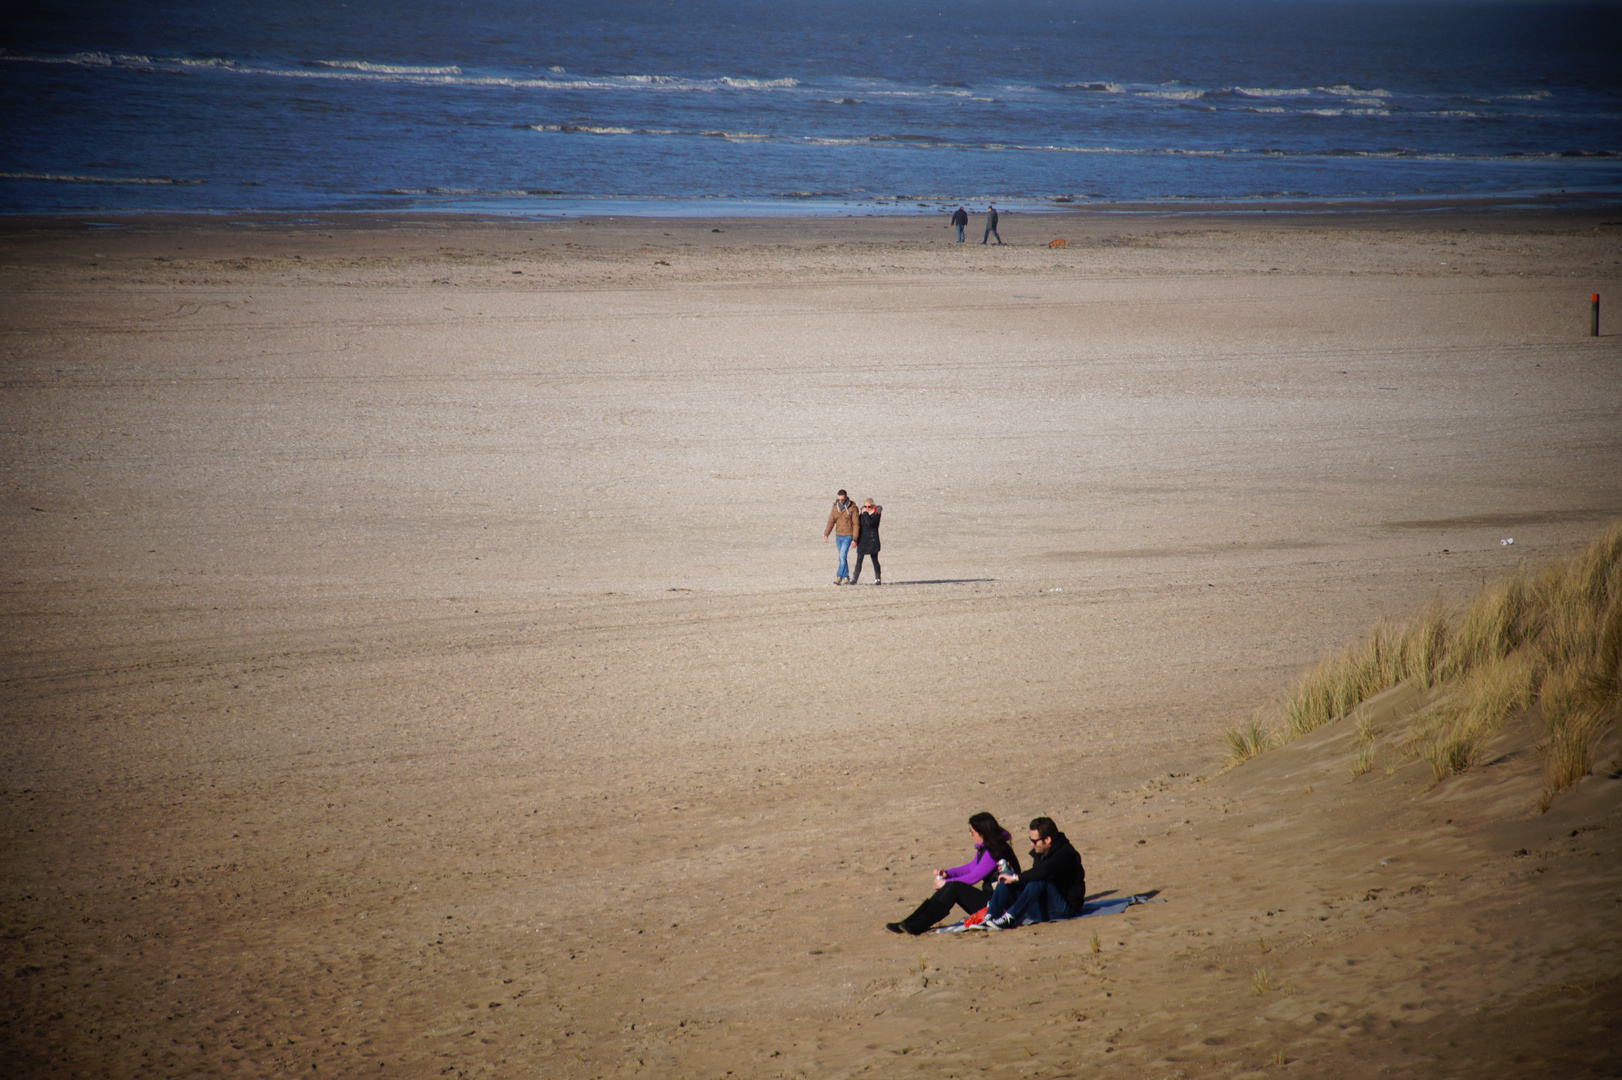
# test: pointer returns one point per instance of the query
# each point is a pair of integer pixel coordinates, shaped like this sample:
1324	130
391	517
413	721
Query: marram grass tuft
1550	642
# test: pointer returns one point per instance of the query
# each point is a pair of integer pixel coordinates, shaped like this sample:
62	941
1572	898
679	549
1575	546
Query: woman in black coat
867	541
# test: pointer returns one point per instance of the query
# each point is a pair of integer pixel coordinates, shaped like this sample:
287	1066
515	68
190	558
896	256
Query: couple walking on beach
995	892
961	220
852	526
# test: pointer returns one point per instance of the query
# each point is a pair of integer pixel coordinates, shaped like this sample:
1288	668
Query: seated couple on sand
992	887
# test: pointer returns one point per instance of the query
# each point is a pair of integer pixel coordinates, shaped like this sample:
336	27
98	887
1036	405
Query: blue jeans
843	544
1019	900
960	234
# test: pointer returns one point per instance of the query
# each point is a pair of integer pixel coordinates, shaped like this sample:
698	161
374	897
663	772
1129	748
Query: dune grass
1245	741
1363	761
1387	656
1548	640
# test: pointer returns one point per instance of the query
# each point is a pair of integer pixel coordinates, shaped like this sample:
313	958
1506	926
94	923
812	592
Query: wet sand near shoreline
421	657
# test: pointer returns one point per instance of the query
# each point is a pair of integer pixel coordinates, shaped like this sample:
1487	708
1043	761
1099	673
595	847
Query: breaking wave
407	74
68	178
389	69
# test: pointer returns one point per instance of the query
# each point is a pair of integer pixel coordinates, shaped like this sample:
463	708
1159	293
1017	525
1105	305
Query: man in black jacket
960	220
1053	888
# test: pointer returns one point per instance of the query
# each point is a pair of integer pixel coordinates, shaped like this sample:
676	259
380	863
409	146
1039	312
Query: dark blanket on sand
1112	906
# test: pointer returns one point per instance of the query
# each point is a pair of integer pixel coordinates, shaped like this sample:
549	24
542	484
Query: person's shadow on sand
1107	893
943	581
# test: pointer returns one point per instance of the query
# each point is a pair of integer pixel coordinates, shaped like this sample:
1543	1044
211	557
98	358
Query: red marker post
1593	315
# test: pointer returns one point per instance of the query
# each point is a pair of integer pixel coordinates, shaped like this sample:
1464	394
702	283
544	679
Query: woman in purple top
967	886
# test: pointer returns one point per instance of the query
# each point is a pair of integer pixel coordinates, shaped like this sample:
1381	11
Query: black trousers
953	894
878	574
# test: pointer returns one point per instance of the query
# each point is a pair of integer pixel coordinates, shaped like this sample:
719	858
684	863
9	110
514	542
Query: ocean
716	107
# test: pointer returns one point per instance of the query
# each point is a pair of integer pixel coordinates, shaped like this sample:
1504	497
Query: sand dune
420	655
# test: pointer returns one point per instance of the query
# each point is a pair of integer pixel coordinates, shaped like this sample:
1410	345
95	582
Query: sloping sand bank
420	655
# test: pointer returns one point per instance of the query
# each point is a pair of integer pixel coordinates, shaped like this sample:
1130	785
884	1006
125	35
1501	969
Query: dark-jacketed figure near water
991	226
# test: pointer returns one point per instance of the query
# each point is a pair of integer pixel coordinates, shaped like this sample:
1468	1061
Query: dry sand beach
421	658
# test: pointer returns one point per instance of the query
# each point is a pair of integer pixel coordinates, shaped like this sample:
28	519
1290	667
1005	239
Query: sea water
747	106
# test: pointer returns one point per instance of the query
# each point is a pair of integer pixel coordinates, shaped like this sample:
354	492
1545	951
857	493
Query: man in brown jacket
843	523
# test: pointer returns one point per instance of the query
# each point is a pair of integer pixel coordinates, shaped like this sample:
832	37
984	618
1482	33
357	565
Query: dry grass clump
1450	734
1493	626
1581	701
1363	761
1245	741
1549	641
1387	656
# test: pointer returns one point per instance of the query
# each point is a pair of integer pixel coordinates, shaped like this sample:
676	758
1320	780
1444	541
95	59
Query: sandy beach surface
421	658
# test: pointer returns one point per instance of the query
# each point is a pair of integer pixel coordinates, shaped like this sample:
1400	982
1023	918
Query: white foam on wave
584	129
603	129
1095	87
68	178
343	75
662	83
1118	151
1347	112
413	74
759	84
1171	95
114	60
1351	94
389	69
928	143
84	59
1272	91
1343	90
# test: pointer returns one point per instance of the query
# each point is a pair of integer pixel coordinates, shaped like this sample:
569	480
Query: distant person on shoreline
1053	888
842	523
867	541
960	218
967	886
991	225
